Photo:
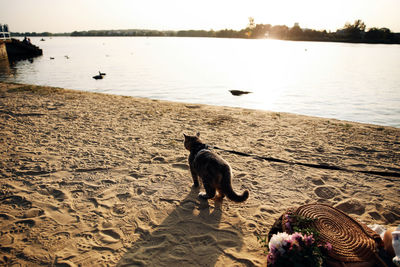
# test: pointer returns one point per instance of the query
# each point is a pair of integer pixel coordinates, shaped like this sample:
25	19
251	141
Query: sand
100	180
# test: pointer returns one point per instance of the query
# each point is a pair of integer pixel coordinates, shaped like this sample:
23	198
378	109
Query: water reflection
344	81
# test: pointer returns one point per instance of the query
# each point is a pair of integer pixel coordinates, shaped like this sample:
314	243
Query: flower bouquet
295	250
300	247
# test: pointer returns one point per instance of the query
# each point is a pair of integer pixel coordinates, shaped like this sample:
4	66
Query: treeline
98	33
355	32
123	33
37	34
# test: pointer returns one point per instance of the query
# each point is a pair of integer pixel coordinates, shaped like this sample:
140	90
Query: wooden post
3	51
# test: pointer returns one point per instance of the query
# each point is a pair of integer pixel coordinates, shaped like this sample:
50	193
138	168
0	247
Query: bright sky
70	15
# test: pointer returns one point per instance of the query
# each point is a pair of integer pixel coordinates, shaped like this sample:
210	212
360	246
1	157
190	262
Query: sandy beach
101	180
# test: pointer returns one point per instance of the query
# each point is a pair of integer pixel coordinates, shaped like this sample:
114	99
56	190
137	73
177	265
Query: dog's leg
210	191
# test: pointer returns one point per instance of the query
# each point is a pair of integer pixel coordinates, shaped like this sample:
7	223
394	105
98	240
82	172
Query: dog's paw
203	196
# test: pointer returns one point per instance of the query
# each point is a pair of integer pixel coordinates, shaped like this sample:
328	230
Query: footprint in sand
158	178
181	159
110	236
78	193
108	182
351	206
240	175
119	210
109	258
326	192
139	191
112	233
5	220
5	217
180	166
17	201
180	251
82	247
159	159
188	205
316	181
268	210
34	212
58	194
94	201
21	226
135	175
252	227
62	235
375	215
202	240
87	236
390	217
124	196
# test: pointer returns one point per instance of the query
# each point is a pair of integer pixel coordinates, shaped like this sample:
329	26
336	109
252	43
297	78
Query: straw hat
351	241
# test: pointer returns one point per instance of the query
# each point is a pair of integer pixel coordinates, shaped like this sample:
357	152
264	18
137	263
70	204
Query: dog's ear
185	135
198	134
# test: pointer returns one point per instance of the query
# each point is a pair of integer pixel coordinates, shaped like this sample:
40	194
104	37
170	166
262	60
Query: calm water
355	82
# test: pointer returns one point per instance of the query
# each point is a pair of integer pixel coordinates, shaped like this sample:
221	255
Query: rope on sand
310	165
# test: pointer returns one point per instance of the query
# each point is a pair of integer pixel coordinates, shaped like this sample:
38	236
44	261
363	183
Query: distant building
4	32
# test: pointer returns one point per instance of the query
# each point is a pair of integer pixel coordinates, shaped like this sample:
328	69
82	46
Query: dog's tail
228	191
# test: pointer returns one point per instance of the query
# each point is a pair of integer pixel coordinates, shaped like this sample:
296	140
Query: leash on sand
310	165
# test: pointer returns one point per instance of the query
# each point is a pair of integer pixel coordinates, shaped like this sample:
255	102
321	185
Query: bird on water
100	76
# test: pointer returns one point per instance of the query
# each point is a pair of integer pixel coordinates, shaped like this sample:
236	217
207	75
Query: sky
59	16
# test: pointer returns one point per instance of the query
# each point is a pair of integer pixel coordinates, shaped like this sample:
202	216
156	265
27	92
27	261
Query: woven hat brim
351	241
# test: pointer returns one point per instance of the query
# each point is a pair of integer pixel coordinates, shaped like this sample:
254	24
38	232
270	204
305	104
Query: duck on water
100	76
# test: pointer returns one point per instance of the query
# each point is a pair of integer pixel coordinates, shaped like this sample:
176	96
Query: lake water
355	82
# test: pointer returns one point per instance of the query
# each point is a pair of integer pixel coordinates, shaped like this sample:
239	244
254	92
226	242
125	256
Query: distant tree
260	31
243	33
279	32
349	33
295	33
195	33
227	34
382	35
354	31
313	35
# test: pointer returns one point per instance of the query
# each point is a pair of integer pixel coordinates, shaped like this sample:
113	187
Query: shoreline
97	179
322	40
328	118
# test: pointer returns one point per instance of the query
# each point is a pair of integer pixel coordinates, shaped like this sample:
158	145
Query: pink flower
272	249
328	246
297	237
288	226
294	248
309	240
271	258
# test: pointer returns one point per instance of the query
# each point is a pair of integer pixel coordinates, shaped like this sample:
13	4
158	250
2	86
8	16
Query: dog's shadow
191	235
